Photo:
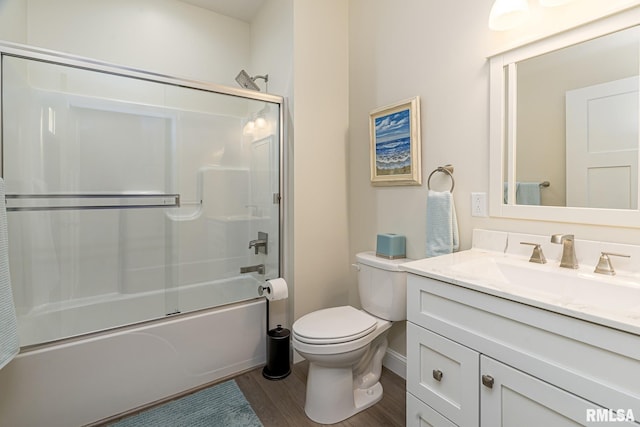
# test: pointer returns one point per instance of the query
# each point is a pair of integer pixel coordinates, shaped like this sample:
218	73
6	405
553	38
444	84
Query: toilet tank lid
370	259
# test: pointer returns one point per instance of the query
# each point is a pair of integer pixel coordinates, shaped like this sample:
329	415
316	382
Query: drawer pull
437	374
487	381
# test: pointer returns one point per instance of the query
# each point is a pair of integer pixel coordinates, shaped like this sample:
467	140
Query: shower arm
266	81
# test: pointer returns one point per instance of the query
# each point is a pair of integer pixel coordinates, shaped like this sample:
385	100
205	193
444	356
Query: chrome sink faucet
568	259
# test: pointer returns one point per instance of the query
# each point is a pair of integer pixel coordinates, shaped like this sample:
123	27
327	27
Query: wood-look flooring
281	403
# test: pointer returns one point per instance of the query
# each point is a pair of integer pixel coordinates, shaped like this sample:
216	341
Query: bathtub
86	379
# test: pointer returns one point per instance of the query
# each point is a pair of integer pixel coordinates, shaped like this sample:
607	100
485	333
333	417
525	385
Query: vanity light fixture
553	3
508	14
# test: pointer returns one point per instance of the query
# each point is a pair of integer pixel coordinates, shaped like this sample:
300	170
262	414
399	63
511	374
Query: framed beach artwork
395	144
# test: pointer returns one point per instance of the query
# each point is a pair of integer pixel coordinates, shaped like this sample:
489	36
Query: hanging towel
528	193
442	224
9	344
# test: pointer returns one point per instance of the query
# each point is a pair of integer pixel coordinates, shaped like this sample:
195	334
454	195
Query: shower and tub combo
144	212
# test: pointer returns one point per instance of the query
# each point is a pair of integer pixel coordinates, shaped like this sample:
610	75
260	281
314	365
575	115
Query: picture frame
395	144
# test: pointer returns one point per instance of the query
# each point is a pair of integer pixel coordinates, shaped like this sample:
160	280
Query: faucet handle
604	263
537	256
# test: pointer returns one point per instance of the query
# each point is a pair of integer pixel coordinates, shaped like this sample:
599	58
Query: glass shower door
131	199
228	168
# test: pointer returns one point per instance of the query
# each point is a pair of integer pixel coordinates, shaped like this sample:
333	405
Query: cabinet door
419	414
511	398
444	375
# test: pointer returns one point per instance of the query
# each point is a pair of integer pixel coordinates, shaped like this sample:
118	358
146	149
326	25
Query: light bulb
508	14
553	3
249	127
261	122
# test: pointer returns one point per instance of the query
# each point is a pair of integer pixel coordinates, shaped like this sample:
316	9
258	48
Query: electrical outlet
478	204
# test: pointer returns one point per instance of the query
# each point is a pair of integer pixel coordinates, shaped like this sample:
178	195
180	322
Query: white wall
13	19
166	36
319	176
435	50
438	50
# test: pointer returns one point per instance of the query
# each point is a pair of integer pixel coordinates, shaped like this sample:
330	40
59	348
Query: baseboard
396	363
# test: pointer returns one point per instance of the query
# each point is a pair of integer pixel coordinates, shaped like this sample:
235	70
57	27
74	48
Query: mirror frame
501	138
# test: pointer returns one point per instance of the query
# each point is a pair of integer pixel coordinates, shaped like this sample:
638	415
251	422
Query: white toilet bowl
344	347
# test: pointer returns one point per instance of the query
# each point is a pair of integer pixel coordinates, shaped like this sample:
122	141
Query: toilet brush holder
278	354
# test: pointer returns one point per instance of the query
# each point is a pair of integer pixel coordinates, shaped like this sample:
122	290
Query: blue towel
9	344
528	193
442	224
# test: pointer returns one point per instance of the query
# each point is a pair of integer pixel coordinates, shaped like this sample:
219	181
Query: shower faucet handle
261	243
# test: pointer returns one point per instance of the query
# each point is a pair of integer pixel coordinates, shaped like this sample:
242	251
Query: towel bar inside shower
25	202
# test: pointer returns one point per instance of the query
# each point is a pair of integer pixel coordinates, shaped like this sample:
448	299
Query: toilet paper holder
263	289
274	289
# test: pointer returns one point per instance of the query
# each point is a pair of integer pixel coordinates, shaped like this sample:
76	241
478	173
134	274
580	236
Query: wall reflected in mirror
576	125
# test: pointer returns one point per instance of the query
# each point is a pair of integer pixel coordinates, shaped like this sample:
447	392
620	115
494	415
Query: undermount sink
591	295
570	288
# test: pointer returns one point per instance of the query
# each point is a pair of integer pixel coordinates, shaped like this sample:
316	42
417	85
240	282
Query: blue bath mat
220	405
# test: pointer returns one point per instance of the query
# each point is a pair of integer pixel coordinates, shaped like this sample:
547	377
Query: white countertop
612	301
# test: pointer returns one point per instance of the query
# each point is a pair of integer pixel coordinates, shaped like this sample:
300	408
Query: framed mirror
565	126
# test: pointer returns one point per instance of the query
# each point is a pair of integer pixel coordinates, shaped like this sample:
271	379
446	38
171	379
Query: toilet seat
334	325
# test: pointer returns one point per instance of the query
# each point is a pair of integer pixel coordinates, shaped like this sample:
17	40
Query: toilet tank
382	286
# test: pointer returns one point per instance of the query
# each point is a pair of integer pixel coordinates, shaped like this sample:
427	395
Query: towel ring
448	169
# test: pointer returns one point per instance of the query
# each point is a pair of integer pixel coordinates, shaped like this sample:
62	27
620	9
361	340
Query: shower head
248	82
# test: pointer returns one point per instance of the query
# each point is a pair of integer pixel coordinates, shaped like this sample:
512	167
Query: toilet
345	346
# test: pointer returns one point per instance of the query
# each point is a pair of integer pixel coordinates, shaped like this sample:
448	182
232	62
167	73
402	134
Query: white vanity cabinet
475	359
513	398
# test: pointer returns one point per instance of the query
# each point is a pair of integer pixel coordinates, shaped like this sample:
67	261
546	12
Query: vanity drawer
440	372
419	414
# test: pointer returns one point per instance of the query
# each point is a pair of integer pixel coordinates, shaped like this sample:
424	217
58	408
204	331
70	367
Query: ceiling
244	10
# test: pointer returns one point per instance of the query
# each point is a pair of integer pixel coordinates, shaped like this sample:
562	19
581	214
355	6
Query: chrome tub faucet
568	259
252	268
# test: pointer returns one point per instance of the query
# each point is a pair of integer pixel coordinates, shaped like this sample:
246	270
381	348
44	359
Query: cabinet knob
437	374
487	381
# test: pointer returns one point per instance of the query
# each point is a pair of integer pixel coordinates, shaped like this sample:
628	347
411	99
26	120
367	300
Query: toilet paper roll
275	289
